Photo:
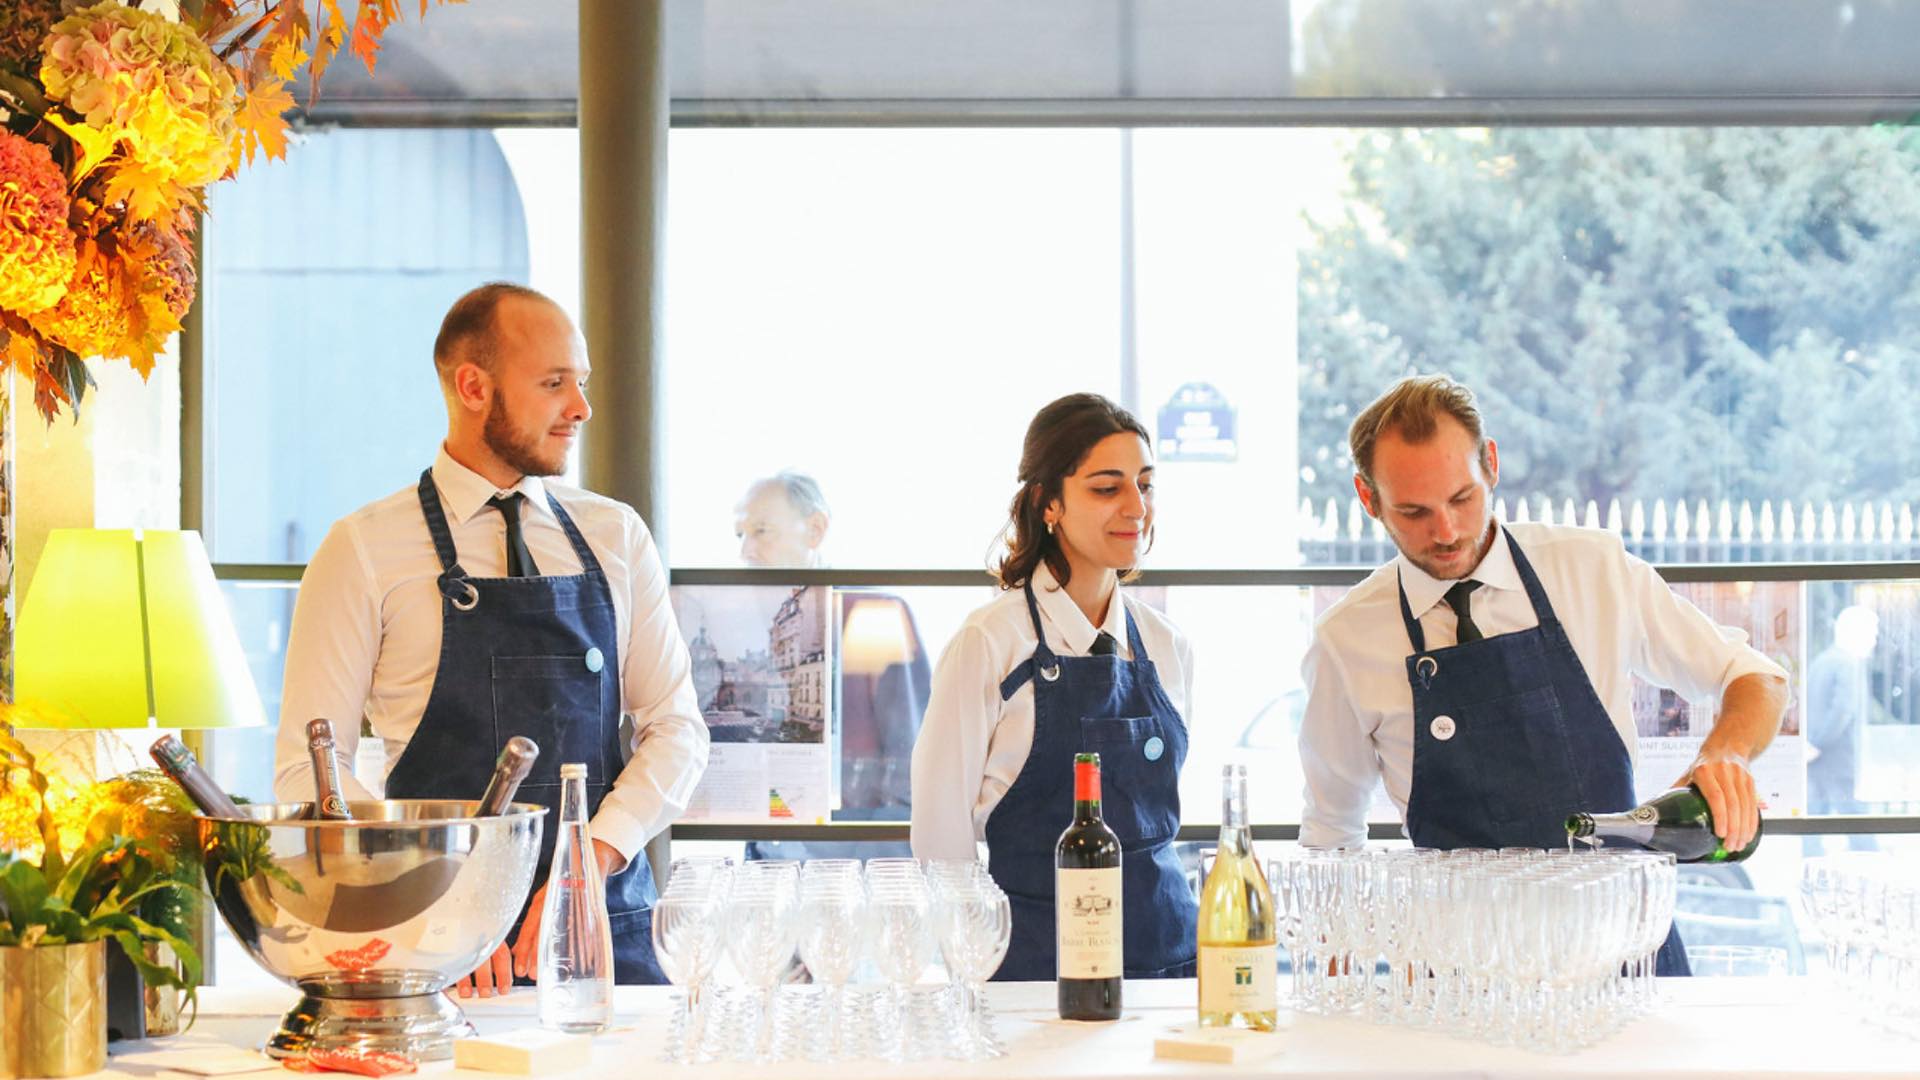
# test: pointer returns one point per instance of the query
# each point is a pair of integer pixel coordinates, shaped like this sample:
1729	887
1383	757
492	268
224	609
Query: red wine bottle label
1238	978
1087	924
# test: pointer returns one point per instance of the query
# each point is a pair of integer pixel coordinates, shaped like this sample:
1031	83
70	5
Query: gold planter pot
53	1010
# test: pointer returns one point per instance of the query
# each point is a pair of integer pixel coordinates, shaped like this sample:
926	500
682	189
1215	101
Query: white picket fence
1785	530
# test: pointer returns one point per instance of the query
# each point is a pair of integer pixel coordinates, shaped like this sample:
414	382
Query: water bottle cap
573	770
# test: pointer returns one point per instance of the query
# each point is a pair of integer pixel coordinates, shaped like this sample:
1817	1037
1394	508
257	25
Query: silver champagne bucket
372	919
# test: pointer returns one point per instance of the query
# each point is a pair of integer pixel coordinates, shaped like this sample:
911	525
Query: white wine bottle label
1087	923
1238	978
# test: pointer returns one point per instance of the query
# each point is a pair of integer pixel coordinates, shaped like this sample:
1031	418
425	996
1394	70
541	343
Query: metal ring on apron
1427	666
1051	674
473	597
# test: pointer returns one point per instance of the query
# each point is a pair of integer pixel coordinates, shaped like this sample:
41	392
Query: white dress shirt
972	745
1622	618
365	640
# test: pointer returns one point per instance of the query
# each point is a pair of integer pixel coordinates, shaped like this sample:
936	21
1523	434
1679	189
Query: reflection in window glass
243	757
1693	336
320	393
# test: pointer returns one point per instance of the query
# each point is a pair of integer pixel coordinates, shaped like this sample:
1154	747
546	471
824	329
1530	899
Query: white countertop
1749	1028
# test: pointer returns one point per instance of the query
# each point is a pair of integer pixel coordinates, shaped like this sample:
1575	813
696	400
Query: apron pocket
1527	779
1139	778
555	701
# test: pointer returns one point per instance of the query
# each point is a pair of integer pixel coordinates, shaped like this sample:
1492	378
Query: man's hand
1728	786
494	975
526	947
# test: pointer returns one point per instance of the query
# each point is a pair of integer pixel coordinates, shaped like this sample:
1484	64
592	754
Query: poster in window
1671	726
760	668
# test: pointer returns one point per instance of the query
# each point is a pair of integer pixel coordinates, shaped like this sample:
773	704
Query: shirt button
595	661
1154	748
1442	727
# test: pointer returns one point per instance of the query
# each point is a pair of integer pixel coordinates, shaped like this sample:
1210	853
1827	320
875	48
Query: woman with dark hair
1063	662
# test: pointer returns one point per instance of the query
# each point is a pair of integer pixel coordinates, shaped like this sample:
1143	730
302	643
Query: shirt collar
1496	571
1069	623
464	493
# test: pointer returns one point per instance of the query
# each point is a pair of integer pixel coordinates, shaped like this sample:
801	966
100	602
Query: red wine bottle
1087	915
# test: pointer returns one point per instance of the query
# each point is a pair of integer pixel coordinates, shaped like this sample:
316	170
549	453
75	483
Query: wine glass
686	941
902	944
833	937
761	935
975	926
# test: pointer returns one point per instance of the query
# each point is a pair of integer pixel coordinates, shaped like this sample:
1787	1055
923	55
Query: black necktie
1104	645
519	559
1459	599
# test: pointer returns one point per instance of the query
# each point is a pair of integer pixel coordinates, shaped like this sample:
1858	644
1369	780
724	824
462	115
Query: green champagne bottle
1677	821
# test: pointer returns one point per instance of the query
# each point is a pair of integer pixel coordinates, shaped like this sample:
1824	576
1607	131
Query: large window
1663	242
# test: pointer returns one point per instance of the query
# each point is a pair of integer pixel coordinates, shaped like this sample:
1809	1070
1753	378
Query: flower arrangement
114	117
113	859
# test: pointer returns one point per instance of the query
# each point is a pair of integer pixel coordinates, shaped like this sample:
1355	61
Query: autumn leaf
95	145
20	347
261	124
373	19
332	35
150	194
285	57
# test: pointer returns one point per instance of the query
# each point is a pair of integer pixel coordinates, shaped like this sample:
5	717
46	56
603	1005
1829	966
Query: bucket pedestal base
421	1026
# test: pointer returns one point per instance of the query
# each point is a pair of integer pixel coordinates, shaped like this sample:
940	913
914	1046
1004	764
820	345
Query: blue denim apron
1509	738
1116	708
533	656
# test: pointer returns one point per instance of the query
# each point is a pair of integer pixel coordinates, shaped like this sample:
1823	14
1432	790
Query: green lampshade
127	628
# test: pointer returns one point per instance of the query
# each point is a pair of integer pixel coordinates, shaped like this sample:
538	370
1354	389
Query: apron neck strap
437	523
588	564
1414	633
1536	593
1136	647
1033	612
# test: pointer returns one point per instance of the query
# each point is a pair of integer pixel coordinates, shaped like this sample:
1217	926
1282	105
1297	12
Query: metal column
623	201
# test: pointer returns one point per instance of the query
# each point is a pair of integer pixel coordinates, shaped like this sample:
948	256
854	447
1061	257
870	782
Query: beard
518	450
1476	549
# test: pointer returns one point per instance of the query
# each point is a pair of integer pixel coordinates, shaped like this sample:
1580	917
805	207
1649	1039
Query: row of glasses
1866	908
1549	950
837	915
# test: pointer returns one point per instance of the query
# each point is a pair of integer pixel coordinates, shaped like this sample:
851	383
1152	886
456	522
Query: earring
1049	528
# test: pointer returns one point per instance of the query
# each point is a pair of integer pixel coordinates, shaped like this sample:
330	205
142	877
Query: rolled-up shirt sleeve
669	740
1680	647
1336	756
950	753
331	650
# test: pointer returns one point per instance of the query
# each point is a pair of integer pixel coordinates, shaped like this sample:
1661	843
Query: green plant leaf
23	892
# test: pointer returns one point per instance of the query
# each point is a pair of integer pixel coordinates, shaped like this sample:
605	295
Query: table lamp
126	628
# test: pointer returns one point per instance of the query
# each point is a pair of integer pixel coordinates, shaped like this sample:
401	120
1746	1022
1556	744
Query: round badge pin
1154	748
595	660
1442	728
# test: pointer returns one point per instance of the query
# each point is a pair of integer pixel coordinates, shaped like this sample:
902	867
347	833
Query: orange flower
36	246
95	316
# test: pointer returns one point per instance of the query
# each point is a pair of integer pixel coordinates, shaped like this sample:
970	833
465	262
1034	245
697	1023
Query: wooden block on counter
1223	1046
527	1051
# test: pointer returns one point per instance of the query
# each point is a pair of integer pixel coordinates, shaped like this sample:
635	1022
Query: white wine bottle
1238	960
